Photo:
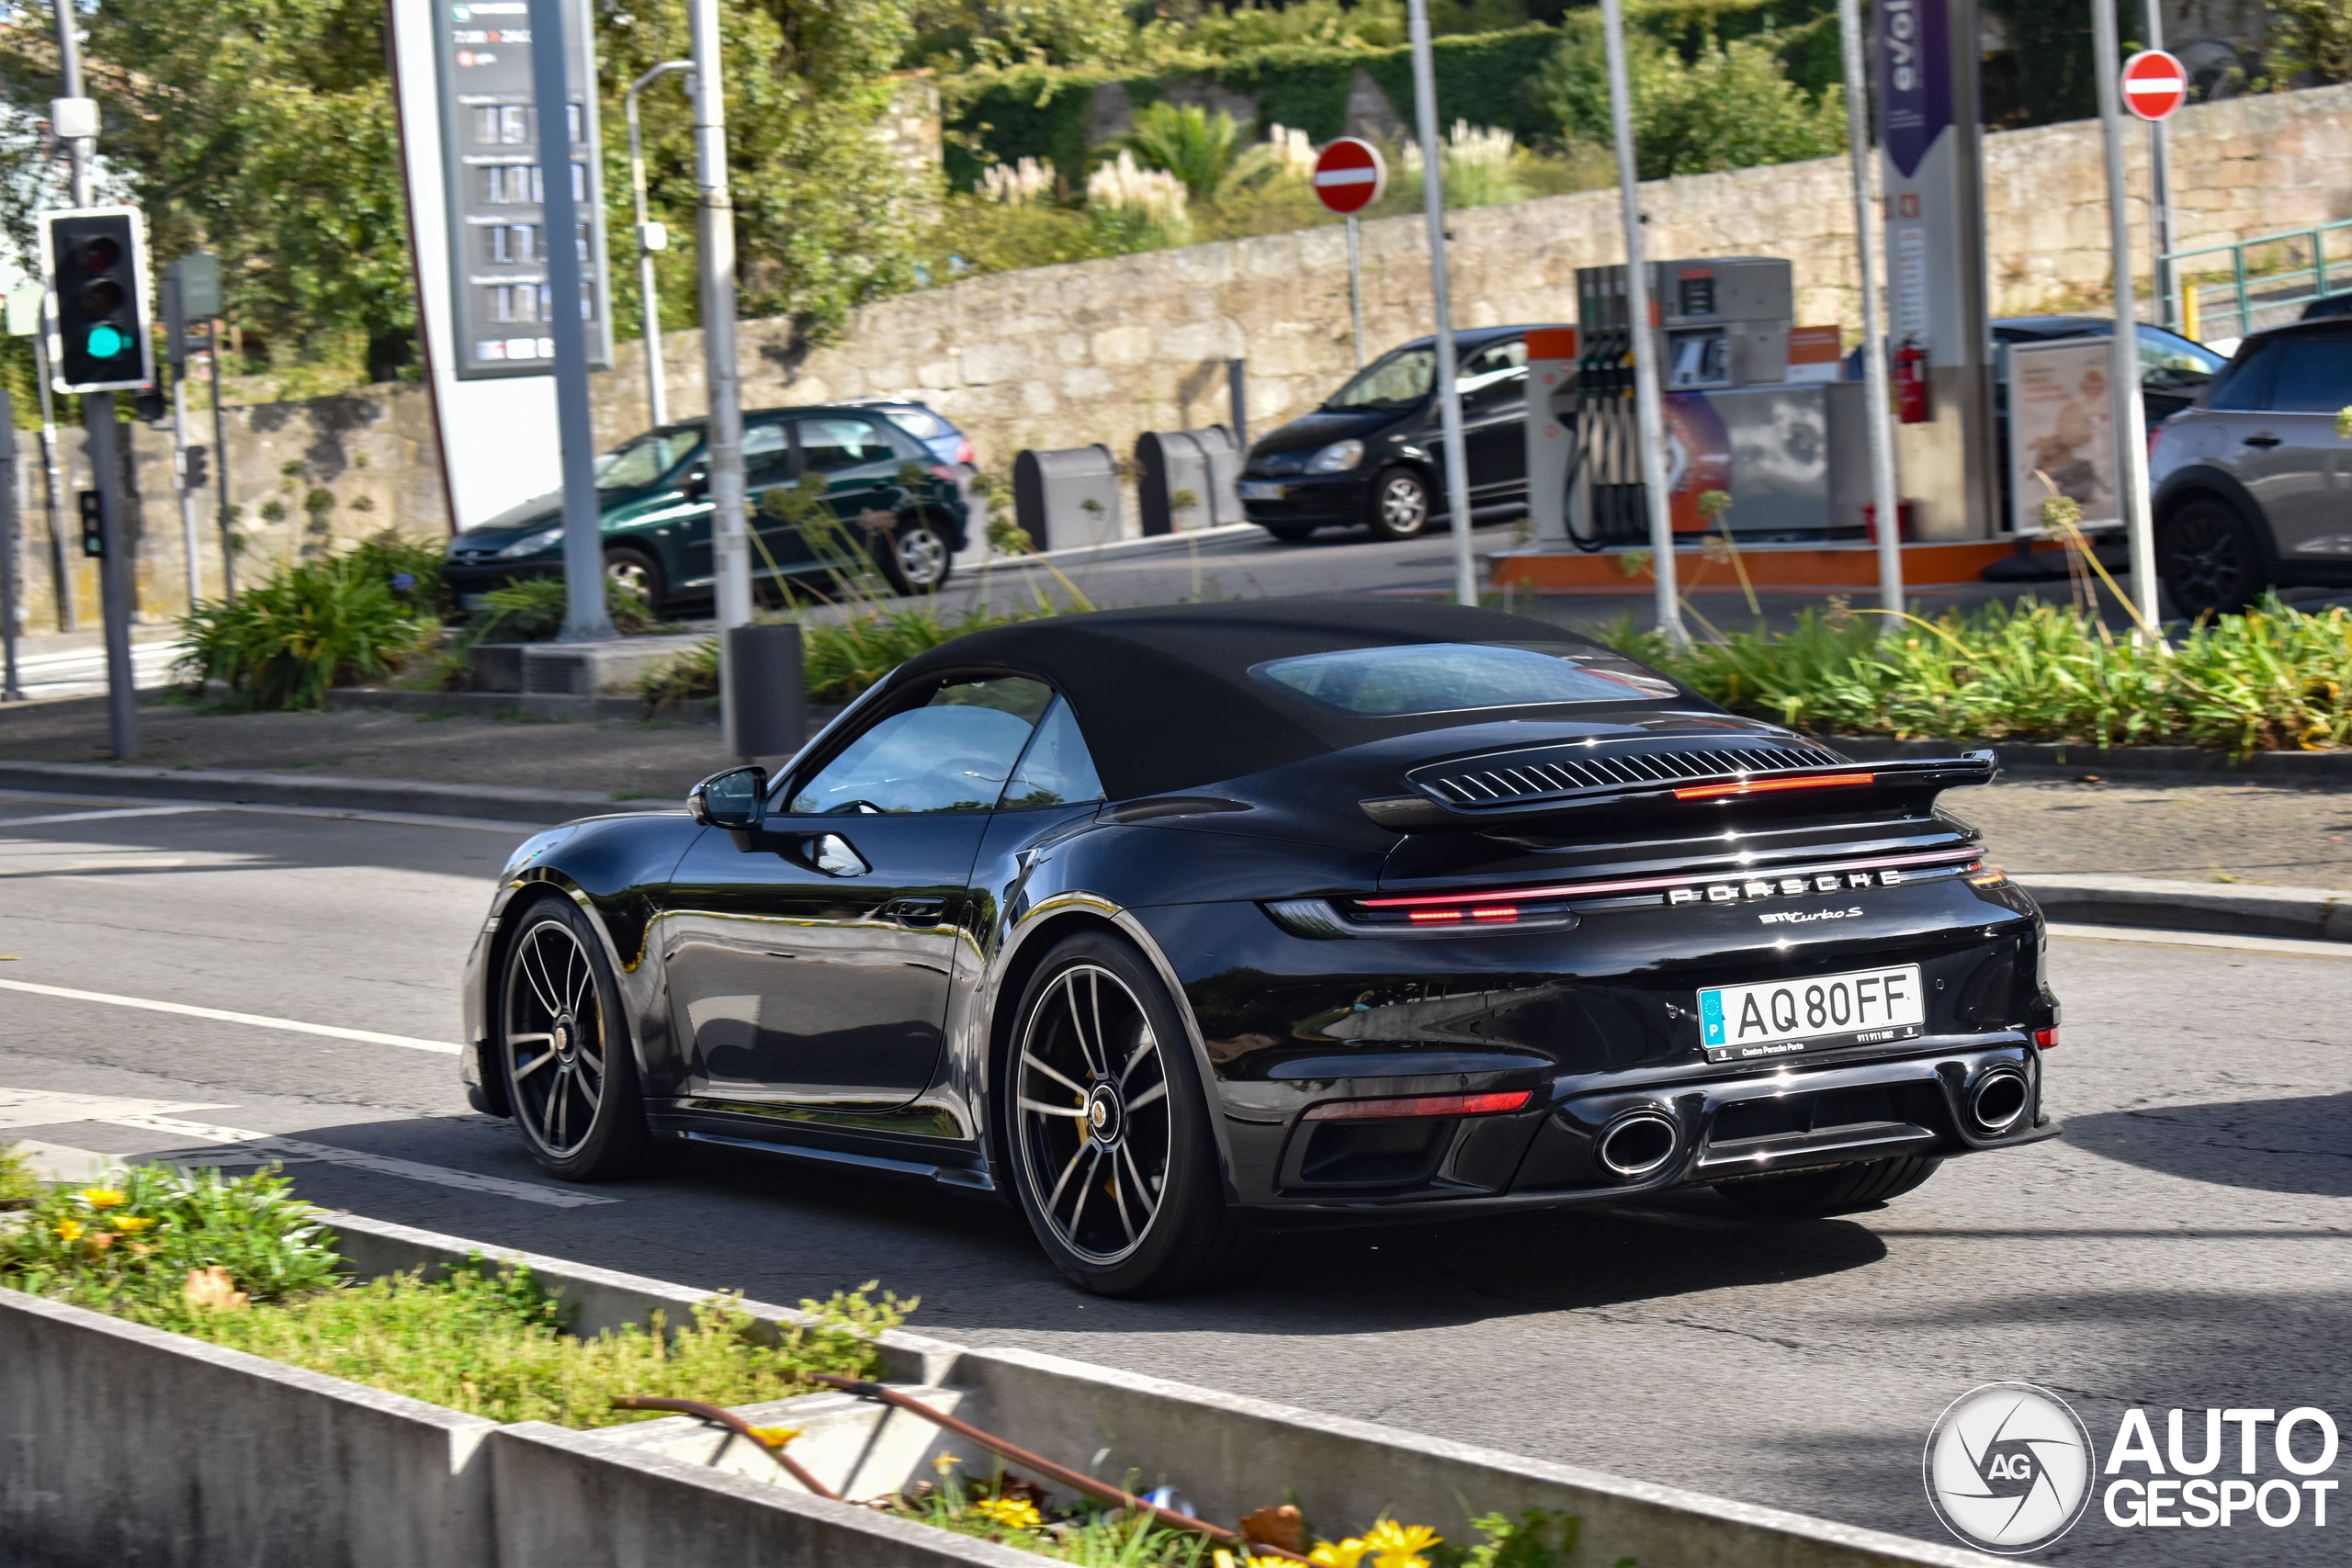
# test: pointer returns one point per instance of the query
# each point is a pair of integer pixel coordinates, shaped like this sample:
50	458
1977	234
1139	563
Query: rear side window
840	441
2241	382
1057	770
2309	375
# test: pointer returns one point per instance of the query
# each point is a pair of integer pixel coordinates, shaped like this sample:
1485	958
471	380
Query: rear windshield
1453	677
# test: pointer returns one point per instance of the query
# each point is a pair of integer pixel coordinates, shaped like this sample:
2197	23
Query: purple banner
1914	78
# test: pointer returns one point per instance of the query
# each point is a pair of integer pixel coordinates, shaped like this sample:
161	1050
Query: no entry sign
2154	85
1350	175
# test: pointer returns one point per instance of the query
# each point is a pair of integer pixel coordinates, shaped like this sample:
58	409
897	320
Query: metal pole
114	572
2160	187
11	580
1355	287
585	619
176	356
1449	396
1882	439
221	467
657	394
1236	399
1649	411
61	564
82	149
715	231
2123	346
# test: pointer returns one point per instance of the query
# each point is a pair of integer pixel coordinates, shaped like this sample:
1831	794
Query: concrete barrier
121	1443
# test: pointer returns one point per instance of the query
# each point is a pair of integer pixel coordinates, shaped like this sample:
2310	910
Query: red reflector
1767	786
1496	912
2046	1038
1424	916
1420	1105
963	450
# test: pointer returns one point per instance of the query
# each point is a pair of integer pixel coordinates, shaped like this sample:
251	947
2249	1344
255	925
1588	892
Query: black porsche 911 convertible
1190	925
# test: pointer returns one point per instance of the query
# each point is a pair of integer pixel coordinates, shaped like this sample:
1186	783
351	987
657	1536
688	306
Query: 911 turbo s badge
1798	918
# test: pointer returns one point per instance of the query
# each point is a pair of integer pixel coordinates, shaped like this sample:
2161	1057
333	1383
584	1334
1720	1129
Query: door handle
2262	438
916	911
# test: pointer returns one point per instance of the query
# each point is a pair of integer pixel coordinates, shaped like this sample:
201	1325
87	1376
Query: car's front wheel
2208	560
915	556
1108	1126
1839	1189
564	1046
1400	504
632	569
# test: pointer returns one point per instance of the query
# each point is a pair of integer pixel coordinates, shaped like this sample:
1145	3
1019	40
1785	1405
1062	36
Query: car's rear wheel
1837	1191
1113	1152
564	1046
915	556
2208	560
628	566
1400	504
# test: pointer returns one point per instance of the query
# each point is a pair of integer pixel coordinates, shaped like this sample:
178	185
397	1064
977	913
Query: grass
2273	679
19	1186
241	1263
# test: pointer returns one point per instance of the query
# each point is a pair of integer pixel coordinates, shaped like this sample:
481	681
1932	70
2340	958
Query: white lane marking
40	1108
221	1015
6	822
2284	947
517	831
269	1146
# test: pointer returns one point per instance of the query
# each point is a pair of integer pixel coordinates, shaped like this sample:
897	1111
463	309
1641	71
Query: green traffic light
104	342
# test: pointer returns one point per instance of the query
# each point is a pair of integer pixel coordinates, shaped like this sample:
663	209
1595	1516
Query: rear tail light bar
1489	1104
1773	786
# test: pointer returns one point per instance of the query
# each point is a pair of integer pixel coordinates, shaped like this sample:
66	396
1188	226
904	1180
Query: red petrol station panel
1350	175
2155	84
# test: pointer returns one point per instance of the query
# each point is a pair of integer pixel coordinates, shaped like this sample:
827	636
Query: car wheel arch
1024	950
542	884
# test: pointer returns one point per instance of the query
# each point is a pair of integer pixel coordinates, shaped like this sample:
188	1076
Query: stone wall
1105	350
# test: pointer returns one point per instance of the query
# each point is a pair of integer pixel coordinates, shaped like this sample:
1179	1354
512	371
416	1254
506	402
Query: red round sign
2155	84
1350	175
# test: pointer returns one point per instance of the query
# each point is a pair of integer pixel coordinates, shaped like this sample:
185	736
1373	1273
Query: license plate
1780	1017
1259	490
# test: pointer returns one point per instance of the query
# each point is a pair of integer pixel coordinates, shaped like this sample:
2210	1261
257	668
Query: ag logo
2009	1468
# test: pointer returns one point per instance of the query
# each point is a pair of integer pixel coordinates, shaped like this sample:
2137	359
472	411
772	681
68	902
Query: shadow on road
2301	1145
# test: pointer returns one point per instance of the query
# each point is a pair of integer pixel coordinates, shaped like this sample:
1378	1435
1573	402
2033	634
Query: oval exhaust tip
1999	1100
1639	1144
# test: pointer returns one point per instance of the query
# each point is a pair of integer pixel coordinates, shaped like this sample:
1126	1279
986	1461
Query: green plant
532	609
1730	106
19	1185
312	625
409	568
2311	42
1186	141
689	675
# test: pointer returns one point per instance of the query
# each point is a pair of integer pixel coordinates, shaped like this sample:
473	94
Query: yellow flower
775	1437
1337	1553
943	1461
1399	1546
102	1198
1013	1513
132	1224
69	1230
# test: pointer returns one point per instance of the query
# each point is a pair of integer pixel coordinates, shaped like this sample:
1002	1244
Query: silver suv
2252	484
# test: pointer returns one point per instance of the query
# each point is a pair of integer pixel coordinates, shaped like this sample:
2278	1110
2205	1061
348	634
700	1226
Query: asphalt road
2184	1245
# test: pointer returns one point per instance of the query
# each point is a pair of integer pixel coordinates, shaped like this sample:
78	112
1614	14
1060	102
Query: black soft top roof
1165	698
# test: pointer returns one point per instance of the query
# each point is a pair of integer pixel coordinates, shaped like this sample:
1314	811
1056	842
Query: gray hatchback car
2252	484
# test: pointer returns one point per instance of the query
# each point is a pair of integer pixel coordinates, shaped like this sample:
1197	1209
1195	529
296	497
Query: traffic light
97	260
197	471
93	532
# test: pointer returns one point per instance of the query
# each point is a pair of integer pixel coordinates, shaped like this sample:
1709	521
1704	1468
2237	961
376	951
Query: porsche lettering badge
1785	887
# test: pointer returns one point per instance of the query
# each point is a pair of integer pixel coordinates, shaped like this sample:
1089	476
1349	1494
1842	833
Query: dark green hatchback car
885	494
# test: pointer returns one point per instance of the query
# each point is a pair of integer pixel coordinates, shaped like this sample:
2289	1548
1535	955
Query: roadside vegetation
241	1262
2273	679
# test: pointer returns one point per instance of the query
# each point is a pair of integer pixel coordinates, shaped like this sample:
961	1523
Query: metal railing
2264	281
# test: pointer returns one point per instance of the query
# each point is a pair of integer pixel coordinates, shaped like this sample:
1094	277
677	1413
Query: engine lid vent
1564	773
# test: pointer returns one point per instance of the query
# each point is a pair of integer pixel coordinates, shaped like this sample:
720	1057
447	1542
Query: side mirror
695	486
736	799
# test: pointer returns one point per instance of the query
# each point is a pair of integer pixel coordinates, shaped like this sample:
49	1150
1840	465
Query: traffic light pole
12	585
221	468
714	236
114	571
80	149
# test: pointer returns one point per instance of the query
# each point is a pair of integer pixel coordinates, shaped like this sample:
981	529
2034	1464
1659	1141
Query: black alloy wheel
915	555
1400	505
628	566
2208	560
1840	1189
563	1046
1108	1128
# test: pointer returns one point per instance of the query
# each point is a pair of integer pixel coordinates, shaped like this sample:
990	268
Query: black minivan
1372	453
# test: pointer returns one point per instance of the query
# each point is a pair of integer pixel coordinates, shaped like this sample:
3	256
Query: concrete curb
2172	764
500	802
117	1441
2322	914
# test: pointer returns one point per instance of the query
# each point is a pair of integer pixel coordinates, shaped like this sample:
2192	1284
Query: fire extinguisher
1911	404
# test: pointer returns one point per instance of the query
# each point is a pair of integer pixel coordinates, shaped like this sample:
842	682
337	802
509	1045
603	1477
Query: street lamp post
1888	505
657	395
1449	395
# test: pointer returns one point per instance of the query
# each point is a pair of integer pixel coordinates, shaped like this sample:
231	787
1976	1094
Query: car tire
634	569
916	556
1840	1189
2210	560
561	1040
1289	533
1400	505
1100	1073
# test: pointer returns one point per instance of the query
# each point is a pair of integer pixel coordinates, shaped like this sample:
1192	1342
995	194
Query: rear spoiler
1419	813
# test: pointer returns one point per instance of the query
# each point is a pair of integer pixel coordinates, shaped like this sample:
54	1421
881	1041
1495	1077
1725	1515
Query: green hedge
1044	112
